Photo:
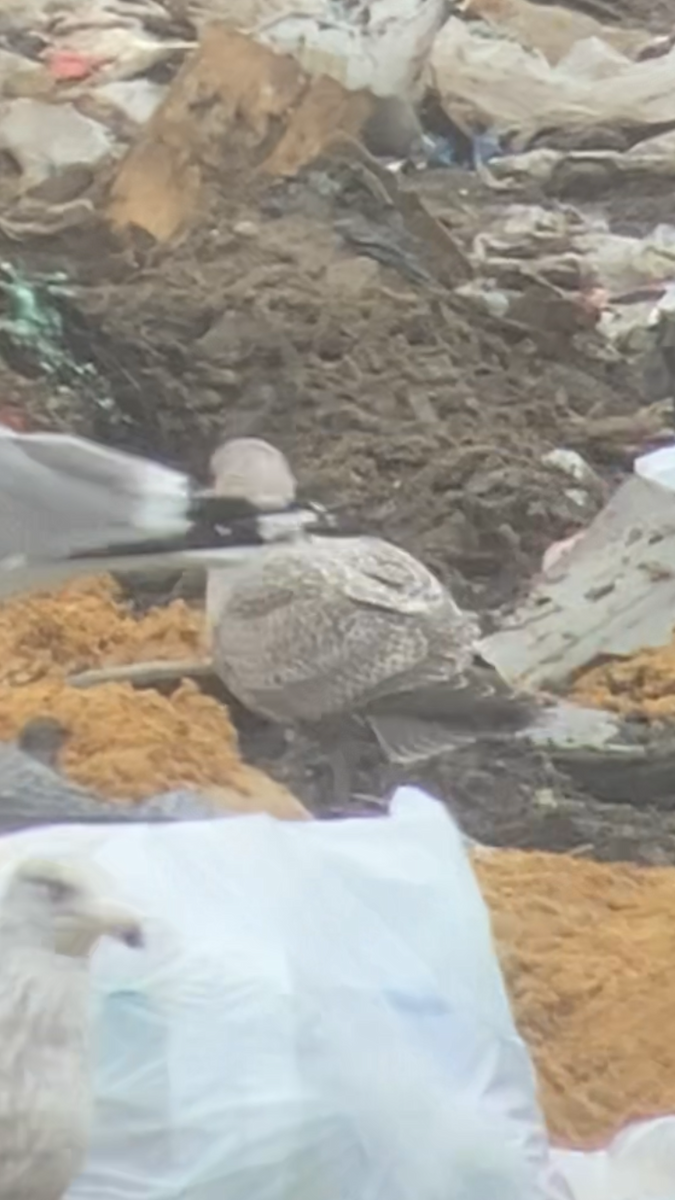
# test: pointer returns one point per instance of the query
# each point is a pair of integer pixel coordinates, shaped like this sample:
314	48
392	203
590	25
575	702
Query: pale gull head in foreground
51	916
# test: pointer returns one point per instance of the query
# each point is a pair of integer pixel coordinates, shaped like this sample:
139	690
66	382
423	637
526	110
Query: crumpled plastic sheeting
230	1051
119	53
119	36
577	255
653	157
515	91
555	30
137	99
639	1164
523	233
377	44
45	138
622	263
322	1015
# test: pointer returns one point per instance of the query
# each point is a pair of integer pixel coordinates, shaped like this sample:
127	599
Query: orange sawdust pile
589	956
643	683
87	625
125	743
133	743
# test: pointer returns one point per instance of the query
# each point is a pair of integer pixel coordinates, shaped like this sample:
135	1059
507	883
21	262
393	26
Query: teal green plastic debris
33	322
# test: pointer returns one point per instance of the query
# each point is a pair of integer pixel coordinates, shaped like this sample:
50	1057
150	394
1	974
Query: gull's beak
132	936
117	921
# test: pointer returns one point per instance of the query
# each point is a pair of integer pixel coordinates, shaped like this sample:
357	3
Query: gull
320	629
34	793
69	507
52	914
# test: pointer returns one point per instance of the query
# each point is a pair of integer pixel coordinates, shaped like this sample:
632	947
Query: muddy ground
310	312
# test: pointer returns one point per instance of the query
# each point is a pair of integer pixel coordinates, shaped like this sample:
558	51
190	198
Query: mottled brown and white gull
52	914
322	628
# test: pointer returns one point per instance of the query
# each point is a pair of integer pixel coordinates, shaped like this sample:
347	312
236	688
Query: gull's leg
339	754
341	767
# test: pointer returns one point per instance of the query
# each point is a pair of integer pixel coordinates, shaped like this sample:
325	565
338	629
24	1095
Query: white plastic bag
319	1015
639	1164
381	45
658	466
47	138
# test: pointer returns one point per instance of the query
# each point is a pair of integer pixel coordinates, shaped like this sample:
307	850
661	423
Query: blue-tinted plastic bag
319	1015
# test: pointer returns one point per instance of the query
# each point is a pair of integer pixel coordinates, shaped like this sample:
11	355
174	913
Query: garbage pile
544	98
271	269
407	247
82	85
432	329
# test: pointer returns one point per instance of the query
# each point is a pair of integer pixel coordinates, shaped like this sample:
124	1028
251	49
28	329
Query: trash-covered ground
425	418
465	358
421	344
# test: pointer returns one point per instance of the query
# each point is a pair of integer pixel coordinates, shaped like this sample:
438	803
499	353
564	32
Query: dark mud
392	397
502	795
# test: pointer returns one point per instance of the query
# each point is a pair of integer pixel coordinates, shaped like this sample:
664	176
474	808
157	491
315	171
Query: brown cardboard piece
232	98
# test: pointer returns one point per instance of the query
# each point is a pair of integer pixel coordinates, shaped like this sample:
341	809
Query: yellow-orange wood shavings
132	743
589	956
86	625
125	743
643	683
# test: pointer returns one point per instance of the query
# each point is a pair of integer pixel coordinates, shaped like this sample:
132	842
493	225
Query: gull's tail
414	727
436	718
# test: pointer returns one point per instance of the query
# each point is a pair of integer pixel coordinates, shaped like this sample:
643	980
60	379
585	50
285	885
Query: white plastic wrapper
318	1015
658	466
639	1164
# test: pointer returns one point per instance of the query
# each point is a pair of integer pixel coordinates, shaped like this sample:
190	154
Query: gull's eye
58	891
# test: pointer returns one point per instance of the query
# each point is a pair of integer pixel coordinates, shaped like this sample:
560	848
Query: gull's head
251	469
43	738
64	907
